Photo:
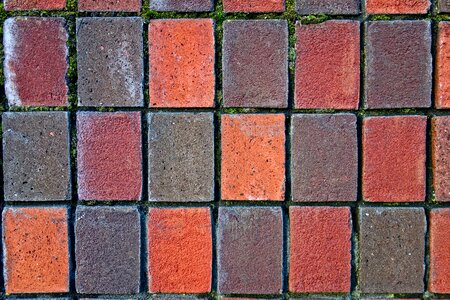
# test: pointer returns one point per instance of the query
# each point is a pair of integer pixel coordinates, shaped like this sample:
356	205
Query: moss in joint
314	19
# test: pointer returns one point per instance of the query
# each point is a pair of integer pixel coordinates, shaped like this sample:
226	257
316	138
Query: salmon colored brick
181	54
397	6
439	281
394	157
320	249
180	250
116	5
442	82
441	157
253	157
253	5
34	4
35	249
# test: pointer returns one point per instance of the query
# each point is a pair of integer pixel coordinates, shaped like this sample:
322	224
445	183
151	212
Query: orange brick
443	66
397	6
440	251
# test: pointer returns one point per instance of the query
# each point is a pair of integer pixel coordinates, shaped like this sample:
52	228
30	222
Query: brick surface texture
440	250
182	5
331	7
442	83
397	7
441	157
253	6
115	5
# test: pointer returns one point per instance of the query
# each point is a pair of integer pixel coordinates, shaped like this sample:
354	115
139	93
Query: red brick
394	158
440	251
441	157
35	244
180	250
34	4
253	157
116	5
35	61
443	66
181	54
253	6
327	65
109	156
397	7
320	249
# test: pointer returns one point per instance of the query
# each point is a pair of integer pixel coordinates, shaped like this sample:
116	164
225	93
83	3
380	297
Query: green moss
379	17
314	19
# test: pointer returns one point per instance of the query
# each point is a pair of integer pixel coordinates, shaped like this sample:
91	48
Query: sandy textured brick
392	250
115	5
36	163
439	281
35	65
442	70
10	5
398	64
255	63
324	163
327	65
179	250
253	157
443	6
35	250
181	59
107	250
244	232
329	7
253	6
320	249
182	5
441	157
181	157
397	7
110	60
394	158
109	156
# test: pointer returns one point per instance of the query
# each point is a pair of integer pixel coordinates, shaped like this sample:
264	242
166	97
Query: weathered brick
397	7
116	5
255	63
441	157
182	5
330	7
250	242
109	156
177	297
35	63
327	65
440	251
181	54
253	6
181	157
110	61
392	250
36	250
398	64
34	4
107	250
394	158
253	157
180	250
320	249
443	6
36	156
442	83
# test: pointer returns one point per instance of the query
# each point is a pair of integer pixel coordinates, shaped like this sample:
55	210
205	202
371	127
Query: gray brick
182	5
330	7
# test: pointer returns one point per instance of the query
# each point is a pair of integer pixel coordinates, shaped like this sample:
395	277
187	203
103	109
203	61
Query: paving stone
253	6
439	281
36	163
329	7
441	157
115	5
443	6
10	5
182	5
442	70
181	157
397	7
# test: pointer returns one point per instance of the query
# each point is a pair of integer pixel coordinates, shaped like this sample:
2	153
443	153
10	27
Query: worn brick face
394	157
10	5
253	157
242	233
441	157
253	6
442	70
397	7
181	54
443	6
115	5
35	65
440	251
330	7
182	5
180	250
35	249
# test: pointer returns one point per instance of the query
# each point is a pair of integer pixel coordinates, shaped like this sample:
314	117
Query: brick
439	251
36	250
35	63
36	156
441	157
107	250
182	5
253	157
394	158
181	55
181	157
243	232
255	63
110	61
320	249
442	81
397	7
443	6
10	5
177	297
398	64
116	5
392	250
109	156
327	65
180	250
330	7
253	6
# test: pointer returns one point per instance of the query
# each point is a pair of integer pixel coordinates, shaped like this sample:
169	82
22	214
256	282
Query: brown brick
253	6
34	4
442	82
117	5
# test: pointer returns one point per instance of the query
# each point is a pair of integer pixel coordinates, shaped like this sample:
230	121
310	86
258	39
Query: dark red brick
255	63
320	249
34	4
250	242
253	6
35	61
327	65
392	250
397	7
115	5
36	250
441	157
182	5
180	250
329	7
109	156
394	157
398	64
440	251
442	82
